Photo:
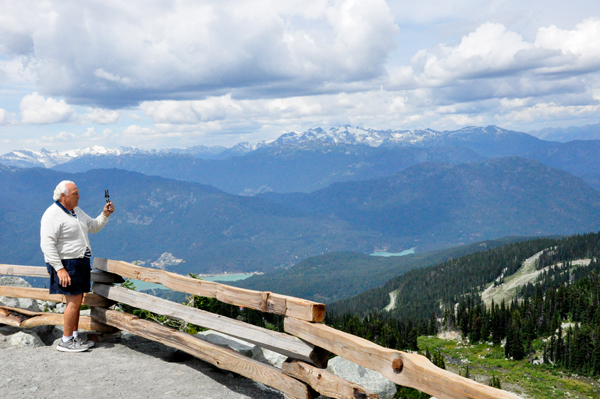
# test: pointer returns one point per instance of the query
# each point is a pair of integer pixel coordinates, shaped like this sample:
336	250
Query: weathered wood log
220	357
264	301
43	295
285	344
40	271
22	318
326	383
402	368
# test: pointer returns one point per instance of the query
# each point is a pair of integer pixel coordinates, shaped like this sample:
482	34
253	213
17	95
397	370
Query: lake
388	254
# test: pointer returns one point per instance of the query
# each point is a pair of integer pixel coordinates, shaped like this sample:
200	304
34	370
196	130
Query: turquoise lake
388	254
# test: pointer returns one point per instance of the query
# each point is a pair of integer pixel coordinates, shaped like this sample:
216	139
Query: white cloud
552	111
262	67
7	118
581	46
35	109
176	49
53	141
100	116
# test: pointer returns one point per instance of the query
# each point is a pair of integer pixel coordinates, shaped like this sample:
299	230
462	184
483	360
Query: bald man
67	252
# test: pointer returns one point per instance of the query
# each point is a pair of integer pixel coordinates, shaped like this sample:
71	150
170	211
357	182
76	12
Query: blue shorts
79	271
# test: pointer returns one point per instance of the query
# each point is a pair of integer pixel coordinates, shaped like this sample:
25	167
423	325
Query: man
67	252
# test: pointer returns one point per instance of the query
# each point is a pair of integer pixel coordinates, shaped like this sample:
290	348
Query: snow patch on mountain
48	158
341	135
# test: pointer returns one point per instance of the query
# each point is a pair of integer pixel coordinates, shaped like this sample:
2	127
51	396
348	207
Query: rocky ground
129	366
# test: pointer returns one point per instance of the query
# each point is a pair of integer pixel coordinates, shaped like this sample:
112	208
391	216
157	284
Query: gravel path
125	367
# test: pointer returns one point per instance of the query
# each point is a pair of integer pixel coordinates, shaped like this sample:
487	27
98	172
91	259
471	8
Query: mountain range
305	162
565	134
450	204
170	224
189	227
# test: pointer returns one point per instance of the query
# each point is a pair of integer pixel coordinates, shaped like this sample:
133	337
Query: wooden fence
306	341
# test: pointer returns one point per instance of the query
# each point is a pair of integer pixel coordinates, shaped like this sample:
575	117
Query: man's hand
109	208
63	277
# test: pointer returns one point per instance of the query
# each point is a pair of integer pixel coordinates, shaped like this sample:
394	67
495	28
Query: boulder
369	379
60	308
243	348
25	340
267	356
23	303
227	341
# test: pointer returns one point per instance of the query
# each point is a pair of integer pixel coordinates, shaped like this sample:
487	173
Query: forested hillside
204	229
555	319
334	276
454	204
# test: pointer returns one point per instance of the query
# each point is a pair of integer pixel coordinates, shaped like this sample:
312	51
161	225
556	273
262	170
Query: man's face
71	200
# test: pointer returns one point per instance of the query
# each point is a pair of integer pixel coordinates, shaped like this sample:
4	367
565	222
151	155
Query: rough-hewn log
406	369
285	344
43	295
264	301
22	318
326	383
39	271
220	357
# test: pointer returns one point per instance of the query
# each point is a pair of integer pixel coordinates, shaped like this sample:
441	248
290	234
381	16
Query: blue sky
162	74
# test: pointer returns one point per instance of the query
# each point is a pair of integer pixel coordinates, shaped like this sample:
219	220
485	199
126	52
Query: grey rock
25	340
10	281
8	330
60	308
46	306
268	356
224	340
86	312
53	335
23	303
369	379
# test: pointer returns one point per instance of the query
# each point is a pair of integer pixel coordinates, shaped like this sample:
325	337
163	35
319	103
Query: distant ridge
343	135
565	134
453	204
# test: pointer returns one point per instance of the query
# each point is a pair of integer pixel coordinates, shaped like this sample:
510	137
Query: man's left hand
109	208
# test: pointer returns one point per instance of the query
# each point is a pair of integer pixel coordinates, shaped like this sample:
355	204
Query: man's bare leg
71	315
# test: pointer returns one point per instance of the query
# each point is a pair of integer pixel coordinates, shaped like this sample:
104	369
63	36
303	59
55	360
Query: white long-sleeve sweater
63	236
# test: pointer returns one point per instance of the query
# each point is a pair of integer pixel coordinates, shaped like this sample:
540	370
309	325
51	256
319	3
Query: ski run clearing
511	285
526	274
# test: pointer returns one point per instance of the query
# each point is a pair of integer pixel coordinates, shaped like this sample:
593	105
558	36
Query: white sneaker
72	345
90	344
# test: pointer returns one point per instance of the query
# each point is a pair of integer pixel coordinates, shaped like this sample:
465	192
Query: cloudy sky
162	74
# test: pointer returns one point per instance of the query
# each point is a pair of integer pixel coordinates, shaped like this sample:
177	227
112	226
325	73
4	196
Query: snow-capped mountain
49	158
386	138
488	141
354	136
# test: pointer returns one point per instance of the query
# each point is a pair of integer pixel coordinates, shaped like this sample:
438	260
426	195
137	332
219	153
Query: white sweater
63	236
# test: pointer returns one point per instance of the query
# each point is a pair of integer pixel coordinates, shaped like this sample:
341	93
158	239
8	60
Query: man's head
67	194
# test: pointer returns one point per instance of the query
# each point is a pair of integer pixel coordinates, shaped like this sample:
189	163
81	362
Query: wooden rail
264	301
221	357
285	344
37	271
43	295
22	318
306	340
